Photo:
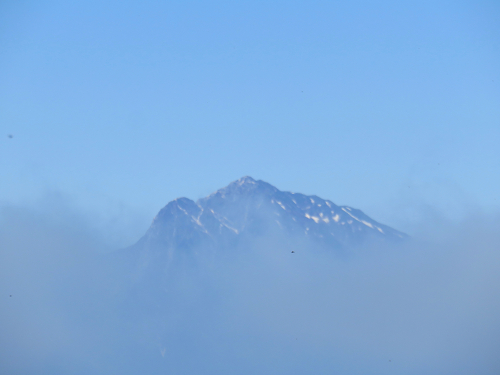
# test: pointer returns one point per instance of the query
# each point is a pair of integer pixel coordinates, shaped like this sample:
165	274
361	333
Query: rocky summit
248	209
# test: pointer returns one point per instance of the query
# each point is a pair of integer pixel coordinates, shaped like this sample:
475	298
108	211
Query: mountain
247	209
247	223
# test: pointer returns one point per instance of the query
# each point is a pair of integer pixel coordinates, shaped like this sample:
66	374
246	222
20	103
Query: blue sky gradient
388	107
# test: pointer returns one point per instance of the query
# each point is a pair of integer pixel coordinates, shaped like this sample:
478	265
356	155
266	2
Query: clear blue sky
385	106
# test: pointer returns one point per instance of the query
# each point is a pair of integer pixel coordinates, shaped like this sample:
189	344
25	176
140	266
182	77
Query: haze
108	111
427	307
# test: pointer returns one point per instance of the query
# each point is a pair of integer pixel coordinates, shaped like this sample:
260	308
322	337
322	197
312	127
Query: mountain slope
247	208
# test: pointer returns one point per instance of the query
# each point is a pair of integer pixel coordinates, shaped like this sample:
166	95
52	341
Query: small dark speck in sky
10	295
10	136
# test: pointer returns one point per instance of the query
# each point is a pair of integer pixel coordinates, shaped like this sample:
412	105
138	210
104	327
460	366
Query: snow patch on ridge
281	204
315	218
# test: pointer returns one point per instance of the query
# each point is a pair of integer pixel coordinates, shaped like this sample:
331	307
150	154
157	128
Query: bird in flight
10	136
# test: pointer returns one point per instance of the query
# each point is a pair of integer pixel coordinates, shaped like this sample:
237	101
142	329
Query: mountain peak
245	180
245	186
245	183
247	208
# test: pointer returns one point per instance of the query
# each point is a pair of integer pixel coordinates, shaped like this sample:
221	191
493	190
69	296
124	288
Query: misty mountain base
249	280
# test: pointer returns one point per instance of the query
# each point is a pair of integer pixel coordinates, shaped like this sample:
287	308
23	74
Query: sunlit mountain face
248	210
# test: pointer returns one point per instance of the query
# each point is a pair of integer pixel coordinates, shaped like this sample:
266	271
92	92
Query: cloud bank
430	306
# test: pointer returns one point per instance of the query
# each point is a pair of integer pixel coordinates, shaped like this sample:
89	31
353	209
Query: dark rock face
247	209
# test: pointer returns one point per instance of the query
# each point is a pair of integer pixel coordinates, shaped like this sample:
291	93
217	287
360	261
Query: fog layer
69	307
